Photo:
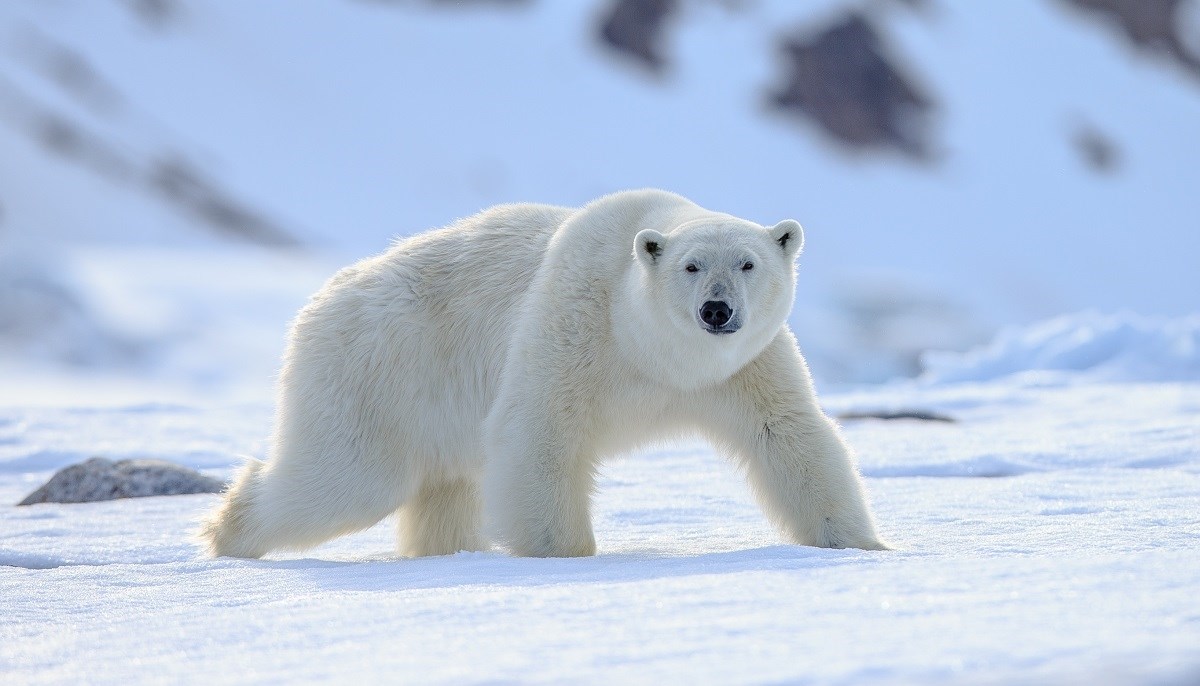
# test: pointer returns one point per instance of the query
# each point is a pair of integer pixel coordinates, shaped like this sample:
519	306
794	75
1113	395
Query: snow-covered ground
1050	534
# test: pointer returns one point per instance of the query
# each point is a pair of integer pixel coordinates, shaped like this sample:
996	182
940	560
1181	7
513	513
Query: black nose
715	313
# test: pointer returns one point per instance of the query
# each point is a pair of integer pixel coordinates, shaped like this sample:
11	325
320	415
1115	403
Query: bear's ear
648	245
789	235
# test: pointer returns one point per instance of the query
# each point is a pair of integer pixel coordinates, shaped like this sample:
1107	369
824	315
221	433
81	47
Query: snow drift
1101	347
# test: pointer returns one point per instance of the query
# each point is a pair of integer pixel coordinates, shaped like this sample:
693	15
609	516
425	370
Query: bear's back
483	263
467	283
419	333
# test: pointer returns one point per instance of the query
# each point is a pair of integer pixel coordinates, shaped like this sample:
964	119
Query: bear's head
717	290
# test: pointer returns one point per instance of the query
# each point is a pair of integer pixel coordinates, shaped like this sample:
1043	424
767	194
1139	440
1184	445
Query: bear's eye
692	268
748	266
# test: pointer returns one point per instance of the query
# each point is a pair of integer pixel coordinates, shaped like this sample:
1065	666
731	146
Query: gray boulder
102	479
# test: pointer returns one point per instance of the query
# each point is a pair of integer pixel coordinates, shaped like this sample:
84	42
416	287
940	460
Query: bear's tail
233	528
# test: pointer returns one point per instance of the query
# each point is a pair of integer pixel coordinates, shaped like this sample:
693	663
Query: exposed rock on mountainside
635	28
1096	149
1156	26
83	137
156	13
182	184
843	78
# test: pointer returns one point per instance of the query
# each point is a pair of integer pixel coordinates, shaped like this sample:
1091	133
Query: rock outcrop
103	479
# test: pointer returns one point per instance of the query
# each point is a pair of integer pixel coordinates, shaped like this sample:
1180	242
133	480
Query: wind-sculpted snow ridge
1101	347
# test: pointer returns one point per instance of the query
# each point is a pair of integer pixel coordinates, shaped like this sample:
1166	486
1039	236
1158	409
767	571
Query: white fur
528	343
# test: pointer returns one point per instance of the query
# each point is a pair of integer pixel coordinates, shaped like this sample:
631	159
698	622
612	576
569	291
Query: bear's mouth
722	330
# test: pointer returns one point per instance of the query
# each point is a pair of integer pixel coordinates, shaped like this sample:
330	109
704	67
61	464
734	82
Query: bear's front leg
539	483
799	467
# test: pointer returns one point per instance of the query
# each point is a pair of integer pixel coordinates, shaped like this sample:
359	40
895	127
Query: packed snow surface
1050	534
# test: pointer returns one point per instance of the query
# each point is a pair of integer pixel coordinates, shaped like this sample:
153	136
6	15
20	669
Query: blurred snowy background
176	176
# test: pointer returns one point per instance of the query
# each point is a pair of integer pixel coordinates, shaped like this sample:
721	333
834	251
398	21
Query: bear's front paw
550	545
834	533
868	544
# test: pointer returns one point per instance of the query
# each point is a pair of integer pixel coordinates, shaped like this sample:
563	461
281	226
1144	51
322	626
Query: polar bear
500	359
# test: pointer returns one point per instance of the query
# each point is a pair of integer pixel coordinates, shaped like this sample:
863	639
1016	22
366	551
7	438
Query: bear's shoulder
601	232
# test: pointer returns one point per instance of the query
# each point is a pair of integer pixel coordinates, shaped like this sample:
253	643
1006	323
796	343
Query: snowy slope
150	323
1048	536
352	122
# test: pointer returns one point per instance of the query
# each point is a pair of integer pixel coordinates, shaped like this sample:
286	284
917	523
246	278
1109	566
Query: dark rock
919	5
69	70
459	3
1097	150
68	139
1152	25
456	4
102	479
636	28
184	185
843	78
917	415
157	14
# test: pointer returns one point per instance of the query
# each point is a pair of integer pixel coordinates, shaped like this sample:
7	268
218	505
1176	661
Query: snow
1117	347
152	322
1050	534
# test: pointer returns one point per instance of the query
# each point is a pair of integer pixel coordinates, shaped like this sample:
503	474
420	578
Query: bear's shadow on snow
498	569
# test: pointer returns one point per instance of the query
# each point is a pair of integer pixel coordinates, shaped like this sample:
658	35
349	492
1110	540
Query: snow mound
1102	347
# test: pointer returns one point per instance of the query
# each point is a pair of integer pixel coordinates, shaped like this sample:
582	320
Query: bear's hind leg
231	530
443	518
279	507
